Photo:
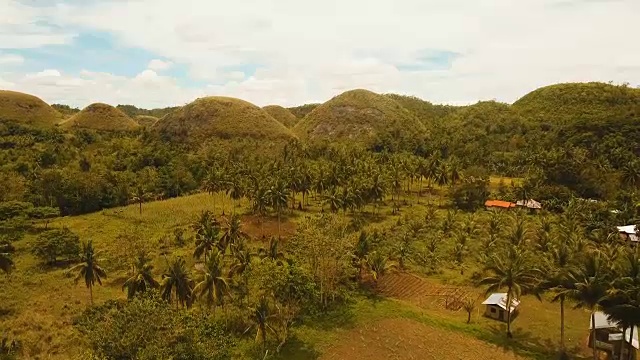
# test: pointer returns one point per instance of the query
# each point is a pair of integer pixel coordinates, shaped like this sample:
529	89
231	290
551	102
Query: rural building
497	307
609	337
628	232
529	204
499	204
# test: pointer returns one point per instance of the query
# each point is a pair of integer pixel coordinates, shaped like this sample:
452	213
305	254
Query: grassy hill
427	112
27	110
66	110
284	116
222	118
357	115
302	110
100	116
564	103
146	120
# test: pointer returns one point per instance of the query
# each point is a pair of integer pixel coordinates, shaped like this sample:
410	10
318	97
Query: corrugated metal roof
531	204
603	322
627	229
499	203
500	299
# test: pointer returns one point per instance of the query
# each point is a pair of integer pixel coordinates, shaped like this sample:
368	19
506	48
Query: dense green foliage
132	111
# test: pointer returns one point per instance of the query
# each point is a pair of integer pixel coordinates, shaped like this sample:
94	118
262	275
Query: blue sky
161	52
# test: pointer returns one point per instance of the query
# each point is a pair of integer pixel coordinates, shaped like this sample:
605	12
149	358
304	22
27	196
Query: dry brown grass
100	117
284	116
27	110
408	339
146	120
356	115
223	118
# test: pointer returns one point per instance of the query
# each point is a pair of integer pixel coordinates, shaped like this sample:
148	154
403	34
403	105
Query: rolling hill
570	102
222	118
359	115
302	110
27	110
146	120
101	117
427	112
284	116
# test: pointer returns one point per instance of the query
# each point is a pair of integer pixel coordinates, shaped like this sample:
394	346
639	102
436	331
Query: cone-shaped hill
427	112
283	115
27	110
567	103
100	117
146	120
221	118
358	115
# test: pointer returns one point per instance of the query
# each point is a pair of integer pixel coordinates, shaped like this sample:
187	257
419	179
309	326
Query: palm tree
589	288
379	265
141	277
469	305
232	233
177	280
213	284
272	251
623	302
333	199
557	278
260	316
89	268
140	197
361	252
206	238
512	271
278	195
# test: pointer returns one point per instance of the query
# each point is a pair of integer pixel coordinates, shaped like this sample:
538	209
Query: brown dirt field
422	292
409	339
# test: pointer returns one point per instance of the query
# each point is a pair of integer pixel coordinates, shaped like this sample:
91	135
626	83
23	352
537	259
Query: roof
630	231
500	299
603	322
531	204
499	203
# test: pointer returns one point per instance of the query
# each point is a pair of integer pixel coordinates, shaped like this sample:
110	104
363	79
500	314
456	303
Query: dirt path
409	339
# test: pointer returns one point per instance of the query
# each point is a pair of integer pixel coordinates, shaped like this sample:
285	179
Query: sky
157	53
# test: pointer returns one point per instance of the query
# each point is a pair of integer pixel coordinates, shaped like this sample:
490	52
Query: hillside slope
284	116
27	110
222	118
102	117
565	103
359	115
427	112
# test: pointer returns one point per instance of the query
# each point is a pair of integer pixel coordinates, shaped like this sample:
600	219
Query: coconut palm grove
370	226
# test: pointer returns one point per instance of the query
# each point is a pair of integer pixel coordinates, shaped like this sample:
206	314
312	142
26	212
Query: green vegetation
225	236
66	110
428	113
133	111
101	117
145	120
26	110
222	118
361	116
284	116
580	102
302	110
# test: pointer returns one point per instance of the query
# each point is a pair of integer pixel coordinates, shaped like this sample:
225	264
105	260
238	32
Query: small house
529	204
609	337
628	232
497	307
499	204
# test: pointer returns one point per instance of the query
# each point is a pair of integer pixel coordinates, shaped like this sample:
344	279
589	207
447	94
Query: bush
470	194
56	245
149	328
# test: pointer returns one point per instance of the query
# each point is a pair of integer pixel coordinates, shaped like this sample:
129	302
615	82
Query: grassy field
38	305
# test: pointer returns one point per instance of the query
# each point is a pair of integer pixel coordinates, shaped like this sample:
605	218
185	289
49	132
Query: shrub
56	245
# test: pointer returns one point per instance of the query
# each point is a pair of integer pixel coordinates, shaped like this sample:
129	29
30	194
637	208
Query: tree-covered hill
427	112
566	103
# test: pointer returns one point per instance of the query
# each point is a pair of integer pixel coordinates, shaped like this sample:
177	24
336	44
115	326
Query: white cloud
159	65
10	59
309	50
23	27
147	89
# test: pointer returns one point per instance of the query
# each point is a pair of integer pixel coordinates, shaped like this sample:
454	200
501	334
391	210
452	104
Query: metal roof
603	322
500	299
